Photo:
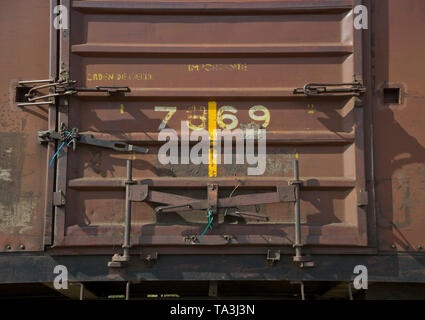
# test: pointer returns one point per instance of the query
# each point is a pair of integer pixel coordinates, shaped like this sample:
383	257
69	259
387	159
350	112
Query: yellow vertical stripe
212	126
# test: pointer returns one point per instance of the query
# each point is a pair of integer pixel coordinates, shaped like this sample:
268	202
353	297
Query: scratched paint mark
311	109
122	109
5	174
17	218
212	129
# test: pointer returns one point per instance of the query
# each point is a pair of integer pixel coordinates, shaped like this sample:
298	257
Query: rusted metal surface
399	132
25	55
189	58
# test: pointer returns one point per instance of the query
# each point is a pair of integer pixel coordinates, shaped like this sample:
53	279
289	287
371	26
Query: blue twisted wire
63	143
210	220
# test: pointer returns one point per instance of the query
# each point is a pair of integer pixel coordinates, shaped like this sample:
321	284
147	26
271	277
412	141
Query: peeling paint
18	215
5	174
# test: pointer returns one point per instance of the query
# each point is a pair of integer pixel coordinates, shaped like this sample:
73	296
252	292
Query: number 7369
226	116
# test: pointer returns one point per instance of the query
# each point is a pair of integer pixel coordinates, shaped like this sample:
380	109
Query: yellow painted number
197	117
265	116
221	117
170	110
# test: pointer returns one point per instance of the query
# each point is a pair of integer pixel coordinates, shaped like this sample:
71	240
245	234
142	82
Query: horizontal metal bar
211	7
245	93
402	268
122	49
310	137
35	81
284	194
23	104
250	182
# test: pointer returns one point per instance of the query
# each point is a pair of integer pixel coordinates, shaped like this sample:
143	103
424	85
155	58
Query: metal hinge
362	198
150	258
28	93
355	88
72	136
59	198
273	256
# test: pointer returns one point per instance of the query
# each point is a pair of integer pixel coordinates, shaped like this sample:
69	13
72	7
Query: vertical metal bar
127	231
127	291
359	144
301	288
63	117
297	211
350	292
81	291
212	290
51	146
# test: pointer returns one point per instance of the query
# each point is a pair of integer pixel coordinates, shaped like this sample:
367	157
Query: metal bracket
218	206
355	88
301	288
72	136
213	202
150	259
59	198
282	194
273	256
304	261
117	259
362	198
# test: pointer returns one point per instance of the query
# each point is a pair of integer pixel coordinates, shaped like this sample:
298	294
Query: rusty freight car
92	92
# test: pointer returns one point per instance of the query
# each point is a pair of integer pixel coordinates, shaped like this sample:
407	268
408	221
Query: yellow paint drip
122	109
212	129
132	156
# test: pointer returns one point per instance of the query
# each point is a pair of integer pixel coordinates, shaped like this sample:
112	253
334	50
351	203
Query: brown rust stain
15	207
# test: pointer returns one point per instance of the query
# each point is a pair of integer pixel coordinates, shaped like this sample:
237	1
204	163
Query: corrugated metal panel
198	55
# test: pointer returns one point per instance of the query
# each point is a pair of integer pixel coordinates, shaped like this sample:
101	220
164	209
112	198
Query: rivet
419	247
9	247
22	247
393	246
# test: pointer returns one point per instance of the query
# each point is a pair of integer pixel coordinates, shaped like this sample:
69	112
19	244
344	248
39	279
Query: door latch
72	136
29	92
355	88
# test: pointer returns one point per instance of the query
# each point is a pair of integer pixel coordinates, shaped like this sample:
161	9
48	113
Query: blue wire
210	220
54	156
51	161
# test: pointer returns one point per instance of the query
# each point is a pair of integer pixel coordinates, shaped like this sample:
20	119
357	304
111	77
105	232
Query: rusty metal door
198	61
